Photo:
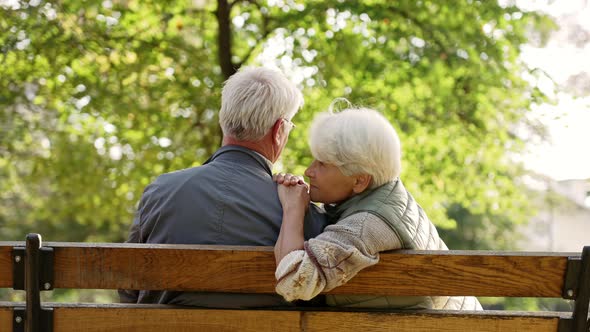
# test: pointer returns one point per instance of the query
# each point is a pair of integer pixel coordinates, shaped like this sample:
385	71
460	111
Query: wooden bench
251	270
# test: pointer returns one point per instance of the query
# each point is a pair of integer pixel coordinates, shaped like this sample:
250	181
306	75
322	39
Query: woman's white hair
253	99
357	141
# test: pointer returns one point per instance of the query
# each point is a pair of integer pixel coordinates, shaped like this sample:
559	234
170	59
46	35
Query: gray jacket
230	200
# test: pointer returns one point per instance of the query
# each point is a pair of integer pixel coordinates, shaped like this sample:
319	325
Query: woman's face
327	184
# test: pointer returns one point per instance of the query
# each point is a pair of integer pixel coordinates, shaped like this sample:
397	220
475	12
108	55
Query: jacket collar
233	149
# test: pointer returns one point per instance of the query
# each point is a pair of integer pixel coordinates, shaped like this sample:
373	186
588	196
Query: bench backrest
251	270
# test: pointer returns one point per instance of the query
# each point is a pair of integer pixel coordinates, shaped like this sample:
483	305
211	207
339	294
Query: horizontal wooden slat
6	315
251	270
138	318
466	273
5	319
165	267
423	322
94	318
6	264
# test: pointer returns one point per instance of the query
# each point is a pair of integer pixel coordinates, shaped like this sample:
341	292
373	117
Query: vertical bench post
580	317
32	283
34	264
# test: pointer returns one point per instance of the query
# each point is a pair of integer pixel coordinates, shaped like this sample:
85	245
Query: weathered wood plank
164	268
465	273
94	318
6	320
97	319
6	265
426	322
251	270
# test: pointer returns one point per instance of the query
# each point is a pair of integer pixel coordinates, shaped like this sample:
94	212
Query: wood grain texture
422	322
5	319
94	318
164	268
251	270
6	264
6	315
177	320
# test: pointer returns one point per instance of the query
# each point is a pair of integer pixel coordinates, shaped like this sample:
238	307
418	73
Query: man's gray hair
253	99
357	141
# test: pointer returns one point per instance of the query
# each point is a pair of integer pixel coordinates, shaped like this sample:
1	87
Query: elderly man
231	199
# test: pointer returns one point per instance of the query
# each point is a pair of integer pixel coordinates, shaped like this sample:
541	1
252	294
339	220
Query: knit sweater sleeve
334	257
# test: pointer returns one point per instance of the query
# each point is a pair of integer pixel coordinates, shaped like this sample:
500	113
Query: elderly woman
356	175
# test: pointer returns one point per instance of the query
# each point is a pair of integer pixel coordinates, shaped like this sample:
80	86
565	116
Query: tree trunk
224	38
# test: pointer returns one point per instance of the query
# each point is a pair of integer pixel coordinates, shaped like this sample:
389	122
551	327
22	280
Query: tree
99	97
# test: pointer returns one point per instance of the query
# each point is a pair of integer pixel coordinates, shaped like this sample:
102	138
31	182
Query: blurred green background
97	98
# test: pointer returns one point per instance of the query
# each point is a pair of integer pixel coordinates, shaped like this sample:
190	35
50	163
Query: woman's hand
293	192
294	197
288	179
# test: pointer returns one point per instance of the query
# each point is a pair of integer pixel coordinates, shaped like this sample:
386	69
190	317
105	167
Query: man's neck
262	147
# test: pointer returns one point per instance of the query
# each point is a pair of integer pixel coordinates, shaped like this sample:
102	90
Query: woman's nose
308	171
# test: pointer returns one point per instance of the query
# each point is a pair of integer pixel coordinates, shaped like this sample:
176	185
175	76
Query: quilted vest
396	207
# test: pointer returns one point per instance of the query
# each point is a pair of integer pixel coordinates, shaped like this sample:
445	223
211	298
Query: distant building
563	219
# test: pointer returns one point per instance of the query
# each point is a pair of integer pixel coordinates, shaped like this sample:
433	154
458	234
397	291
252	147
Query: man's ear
277	131
361	183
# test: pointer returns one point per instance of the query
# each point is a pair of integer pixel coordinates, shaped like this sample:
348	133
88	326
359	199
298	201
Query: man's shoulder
179	174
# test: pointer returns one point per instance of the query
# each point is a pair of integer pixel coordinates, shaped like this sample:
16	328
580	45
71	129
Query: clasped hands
293	192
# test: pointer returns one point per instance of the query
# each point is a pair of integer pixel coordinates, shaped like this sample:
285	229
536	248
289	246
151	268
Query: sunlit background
566	60
492	103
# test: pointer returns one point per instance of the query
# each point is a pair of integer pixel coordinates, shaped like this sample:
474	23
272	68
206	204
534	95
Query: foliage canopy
99	97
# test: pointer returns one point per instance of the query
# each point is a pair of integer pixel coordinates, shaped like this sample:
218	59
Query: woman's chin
314	197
